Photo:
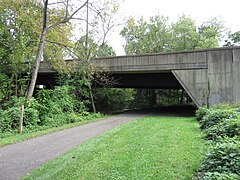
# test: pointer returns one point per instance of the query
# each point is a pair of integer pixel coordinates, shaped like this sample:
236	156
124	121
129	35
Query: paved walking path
20	158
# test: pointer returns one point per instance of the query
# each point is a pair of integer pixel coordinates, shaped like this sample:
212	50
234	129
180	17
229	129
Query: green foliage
184	34
20	29
143	37
113	99
216	116
223	156
201	112
95	50
160	35
218	176
233	39
31	118
11	115
210	33
229	128
4	90
51	108
60	101
221	125
10	119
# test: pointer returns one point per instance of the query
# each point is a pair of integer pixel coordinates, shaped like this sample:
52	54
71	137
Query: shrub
64	97
50	108
218	176
201	112
57	101
31	118
92	116
223	157
217	115
229	128
14	102
10	119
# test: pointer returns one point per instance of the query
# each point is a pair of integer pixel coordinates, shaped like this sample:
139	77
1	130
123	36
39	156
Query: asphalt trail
20	158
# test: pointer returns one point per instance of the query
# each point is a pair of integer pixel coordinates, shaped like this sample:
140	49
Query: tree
19	25
233	39
159	35
143	37
184	34
47	25
211	33
18	39
94	43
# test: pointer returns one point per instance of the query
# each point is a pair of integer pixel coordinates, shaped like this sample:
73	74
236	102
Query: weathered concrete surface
20	158
195	84
145	63
209	76
223	76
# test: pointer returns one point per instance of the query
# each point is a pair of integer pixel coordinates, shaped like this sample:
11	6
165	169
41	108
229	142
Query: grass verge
150	148
47	130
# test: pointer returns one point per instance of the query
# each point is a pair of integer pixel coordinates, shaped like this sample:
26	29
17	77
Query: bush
63	96
50	108
201	112
216	116
223	157
10	119
229	128
218	176
31	118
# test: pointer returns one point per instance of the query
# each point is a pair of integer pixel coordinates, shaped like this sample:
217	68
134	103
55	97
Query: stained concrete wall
224	76
195	84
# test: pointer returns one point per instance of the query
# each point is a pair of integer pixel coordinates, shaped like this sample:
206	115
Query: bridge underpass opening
163	88
110	100
149	90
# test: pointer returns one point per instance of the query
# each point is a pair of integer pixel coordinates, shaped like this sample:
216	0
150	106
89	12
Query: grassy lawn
28	135
150	148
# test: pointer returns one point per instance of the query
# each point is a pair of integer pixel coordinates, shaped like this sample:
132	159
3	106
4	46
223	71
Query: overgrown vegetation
154	147
221	125
50	108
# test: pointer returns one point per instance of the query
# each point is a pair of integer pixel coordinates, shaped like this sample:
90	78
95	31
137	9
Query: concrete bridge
209	76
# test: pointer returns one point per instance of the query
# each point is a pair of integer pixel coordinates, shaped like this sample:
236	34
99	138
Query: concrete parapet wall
156	62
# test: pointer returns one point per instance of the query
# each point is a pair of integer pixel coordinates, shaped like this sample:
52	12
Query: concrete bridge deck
209	76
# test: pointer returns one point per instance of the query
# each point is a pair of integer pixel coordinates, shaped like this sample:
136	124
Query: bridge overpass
209	76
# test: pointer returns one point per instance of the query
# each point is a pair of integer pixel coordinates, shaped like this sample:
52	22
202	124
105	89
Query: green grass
150	148
13	138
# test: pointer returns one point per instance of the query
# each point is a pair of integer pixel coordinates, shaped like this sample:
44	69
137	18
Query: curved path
20	158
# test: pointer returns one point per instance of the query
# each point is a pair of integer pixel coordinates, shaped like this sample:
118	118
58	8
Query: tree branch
66	19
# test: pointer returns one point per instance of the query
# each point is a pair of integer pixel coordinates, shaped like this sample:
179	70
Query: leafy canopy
160	35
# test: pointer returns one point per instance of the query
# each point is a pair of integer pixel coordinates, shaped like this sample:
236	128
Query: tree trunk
37	64
92	100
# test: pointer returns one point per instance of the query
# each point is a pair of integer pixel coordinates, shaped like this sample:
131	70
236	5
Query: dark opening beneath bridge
137	80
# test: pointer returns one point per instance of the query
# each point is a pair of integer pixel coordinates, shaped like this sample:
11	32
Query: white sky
199	10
